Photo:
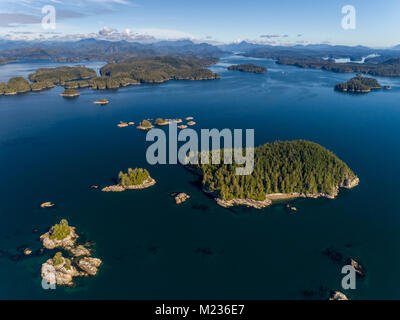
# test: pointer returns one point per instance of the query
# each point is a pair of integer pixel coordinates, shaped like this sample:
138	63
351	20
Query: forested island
358	84
70	93
137	178
161	69
248	67
114	75
388	68
282	170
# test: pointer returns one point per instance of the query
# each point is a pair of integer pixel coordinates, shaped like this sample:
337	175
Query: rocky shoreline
120	188
269	198
61	270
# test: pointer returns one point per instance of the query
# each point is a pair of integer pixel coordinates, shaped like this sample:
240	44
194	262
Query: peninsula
282	170
137	178
248	67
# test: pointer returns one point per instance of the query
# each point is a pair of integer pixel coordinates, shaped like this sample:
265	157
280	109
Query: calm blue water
53	149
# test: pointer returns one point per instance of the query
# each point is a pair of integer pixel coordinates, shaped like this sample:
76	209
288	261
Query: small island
70	93
137	178
145	125
161	122
358	84
248	67
101	101
282	170
61	270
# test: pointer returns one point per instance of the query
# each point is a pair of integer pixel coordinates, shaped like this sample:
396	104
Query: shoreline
119	188
270	198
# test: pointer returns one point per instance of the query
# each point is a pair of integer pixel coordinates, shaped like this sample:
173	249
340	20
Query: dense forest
279	167
248	67
160	69
114	75
15	85
60	75
358	84
133	177
110	51
389	68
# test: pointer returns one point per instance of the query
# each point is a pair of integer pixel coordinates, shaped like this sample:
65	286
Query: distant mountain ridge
110	51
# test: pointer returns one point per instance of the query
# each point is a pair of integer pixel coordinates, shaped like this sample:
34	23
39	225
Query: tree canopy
279	167
133	177
60	230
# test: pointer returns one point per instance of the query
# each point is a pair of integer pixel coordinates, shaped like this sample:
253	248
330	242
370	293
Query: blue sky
279	22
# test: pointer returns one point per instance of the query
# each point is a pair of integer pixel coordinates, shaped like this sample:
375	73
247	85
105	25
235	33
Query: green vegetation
279	167
389	68
58	259
70	93
160	69
60	231
15	85
145	124
114	75
248	67
159	121
60	75
133	177
42	85
358	84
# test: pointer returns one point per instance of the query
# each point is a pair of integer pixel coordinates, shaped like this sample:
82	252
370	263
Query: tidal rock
79	251
27	251
60	274
47	205
89	265
337	295
358	267
122	124
181	197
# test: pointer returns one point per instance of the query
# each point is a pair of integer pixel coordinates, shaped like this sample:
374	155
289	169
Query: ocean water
54	149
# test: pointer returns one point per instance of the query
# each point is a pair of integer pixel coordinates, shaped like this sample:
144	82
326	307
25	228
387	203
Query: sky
283	22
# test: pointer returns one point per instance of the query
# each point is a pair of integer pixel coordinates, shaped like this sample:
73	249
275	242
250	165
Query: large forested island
282	170
114	75
388	68
358	84
248	67
161	69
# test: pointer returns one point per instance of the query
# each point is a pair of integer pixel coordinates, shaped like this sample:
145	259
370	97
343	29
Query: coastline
270	198
119	188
